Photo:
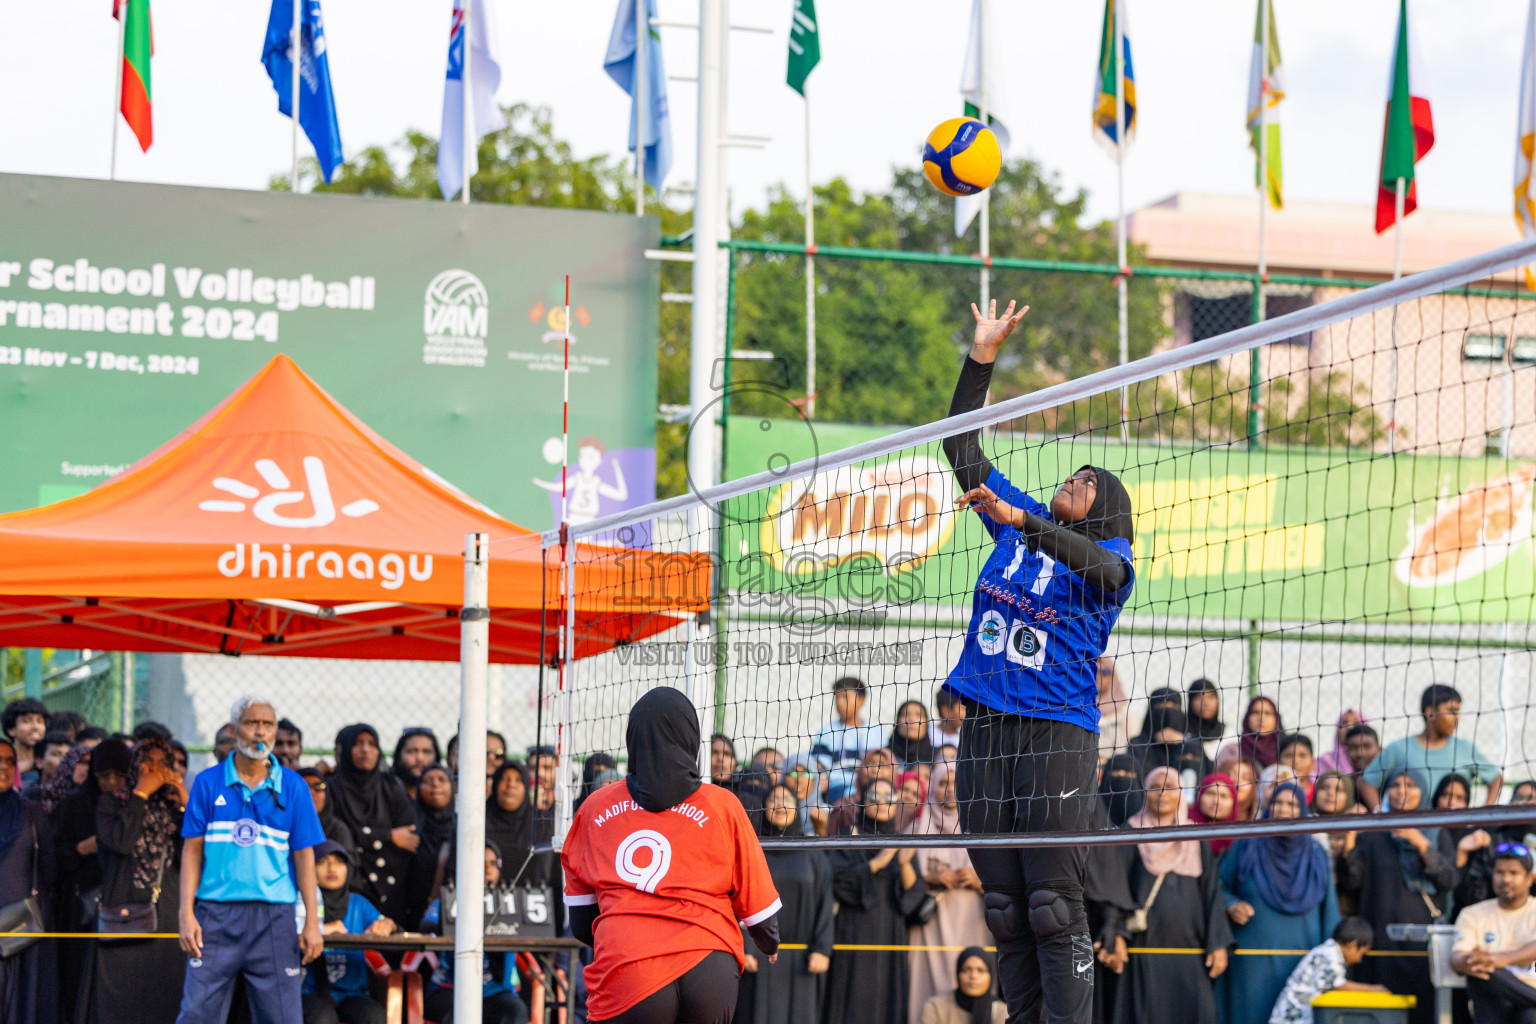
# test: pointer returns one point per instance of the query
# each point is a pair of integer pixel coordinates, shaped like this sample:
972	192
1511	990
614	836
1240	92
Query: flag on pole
1266	85
656	121
981	80
1409	131
484	80
804	44
317	105
1525	140
1104	128
138	47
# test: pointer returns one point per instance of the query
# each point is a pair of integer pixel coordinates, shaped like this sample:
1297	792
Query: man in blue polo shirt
248	854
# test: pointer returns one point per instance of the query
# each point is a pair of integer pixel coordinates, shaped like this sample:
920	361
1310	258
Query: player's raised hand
992	330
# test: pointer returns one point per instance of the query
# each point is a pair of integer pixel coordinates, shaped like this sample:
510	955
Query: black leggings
1019	775
1502	999
706	994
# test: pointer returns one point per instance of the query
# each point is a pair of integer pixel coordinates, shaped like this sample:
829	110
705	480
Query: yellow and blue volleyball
961	157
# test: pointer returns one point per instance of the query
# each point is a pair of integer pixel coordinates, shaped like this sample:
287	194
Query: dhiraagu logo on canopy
1219	526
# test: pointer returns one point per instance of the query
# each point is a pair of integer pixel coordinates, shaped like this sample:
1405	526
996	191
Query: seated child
1323	970
336	985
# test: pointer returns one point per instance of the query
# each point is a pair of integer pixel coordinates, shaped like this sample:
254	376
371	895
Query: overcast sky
890	70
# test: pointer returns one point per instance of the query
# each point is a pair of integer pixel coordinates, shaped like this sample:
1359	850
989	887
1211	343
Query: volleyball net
1325	540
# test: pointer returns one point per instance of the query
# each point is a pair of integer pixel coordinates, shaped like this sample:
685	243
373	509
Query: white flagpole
469	139
810	266
1120	129
1397	272
117	99
1256	419
296	53
642	38
986	195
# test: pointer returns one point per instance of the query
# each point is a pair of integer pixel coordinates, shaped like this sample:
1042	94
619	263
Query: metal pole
706	244
810	266
296	55
1120	257
117	98
128	693
469	139
1507	418
469	885
1397	272
1255	404
565	735
986	195
642	39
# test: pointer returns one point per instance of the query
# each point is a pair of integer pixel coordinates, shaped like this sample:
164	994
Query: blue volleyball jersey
1037	629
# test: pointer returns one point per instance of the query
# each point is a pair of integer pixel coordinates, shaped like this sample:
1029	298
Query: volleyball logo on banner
456	319
1470	533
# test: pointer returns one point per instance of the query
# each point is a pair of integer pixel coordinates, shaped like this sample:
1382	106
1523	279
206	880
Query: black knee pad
1003	918
1050	914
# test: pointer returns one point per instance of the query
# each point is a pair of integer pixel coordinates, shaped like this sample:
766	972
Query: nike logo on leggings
1070	792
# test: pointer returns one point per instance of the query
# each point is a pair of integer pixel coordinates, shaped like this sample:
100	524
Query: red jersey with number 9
670	888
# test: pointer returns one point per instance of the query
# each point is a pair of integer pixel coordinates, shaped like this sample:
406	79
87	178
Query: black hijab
511	831
407	777
1110	515
663	741
870	827
336	901
434	826
909	751
1163	696
13	809
1122	794
110	755
596	763
1151	752
979	1007
1204	728
796	826
363	799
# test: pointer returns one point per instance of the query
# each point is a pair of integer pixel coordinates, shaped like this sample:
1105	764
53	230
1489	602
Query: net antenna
792	547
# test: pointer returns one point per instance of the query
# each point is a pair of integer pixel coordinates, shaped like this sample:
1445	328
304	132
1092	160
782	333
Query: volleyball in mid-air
961	157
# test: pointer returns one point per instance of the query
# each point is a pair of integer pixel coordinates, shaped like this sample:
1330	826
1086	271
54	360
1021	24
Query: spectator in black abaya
28	979
435	822
1168	746
910	740
1203	711
876	890
73	814
974	998
1162	697
509	817
595	764
791	990
139	832
372	803
722	760
414	751
333	827
1405	876
1120	789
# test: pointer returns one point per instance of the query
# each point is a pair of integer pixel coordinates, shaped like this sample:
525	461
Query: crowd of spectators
96	820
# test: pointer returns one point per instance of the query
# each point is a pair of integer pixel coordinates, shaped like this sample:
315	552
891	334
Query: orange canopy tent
279	524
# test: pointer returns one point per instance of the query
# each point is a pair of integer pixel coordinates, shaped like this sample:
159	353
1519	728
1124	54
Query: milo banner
127	311
1304	535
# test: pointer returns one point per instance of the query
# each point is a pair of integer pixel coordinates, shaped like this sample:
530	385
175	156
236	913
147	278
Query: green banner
1222	533
128	310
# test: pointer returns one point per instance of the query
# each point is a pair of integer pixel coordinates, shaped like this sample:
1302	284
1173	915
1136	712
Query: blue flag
317	107
656	120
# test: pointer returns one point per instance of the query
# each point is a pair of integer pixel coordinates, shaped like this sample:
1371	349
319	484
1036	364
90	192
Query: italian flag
1409	132
137	48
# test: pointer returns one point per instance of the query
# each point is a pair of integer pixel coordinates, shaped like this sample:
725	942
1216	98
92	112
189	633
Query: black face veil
663	740
1111	514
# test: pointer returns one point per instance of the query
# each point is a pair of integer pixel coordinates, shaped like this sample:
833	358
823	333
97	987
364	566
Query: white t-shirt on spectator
939	738
1488	926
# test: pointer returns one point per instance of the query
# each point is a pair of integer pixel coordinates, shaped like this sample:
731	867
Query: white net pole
469	887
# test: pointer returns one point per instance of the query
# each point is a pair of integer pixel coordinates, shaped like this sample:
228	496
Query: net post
566	680
1255	389
469	885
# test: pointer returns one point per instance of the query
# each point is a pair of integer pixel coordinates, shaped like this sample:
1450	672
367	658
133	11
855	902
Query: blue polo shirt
249	835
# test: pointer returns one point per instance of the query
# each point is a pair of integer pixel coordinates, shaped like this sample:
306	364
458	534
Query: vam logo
266	507
456	319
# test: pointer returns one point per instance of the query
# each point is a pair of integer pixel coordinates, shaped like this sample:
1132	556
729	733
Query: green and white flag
1266	85
981	88
804	44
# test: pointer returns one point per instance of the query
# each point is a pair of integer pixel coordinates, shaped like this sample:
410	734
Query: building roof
1222	231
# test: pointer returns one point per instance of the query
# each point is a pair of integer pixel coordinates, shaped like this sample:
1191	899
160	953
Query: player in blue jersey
1045	602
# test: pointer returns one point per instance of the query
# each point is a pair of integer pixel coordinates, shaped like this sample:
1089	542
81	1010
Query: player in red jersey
661	874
